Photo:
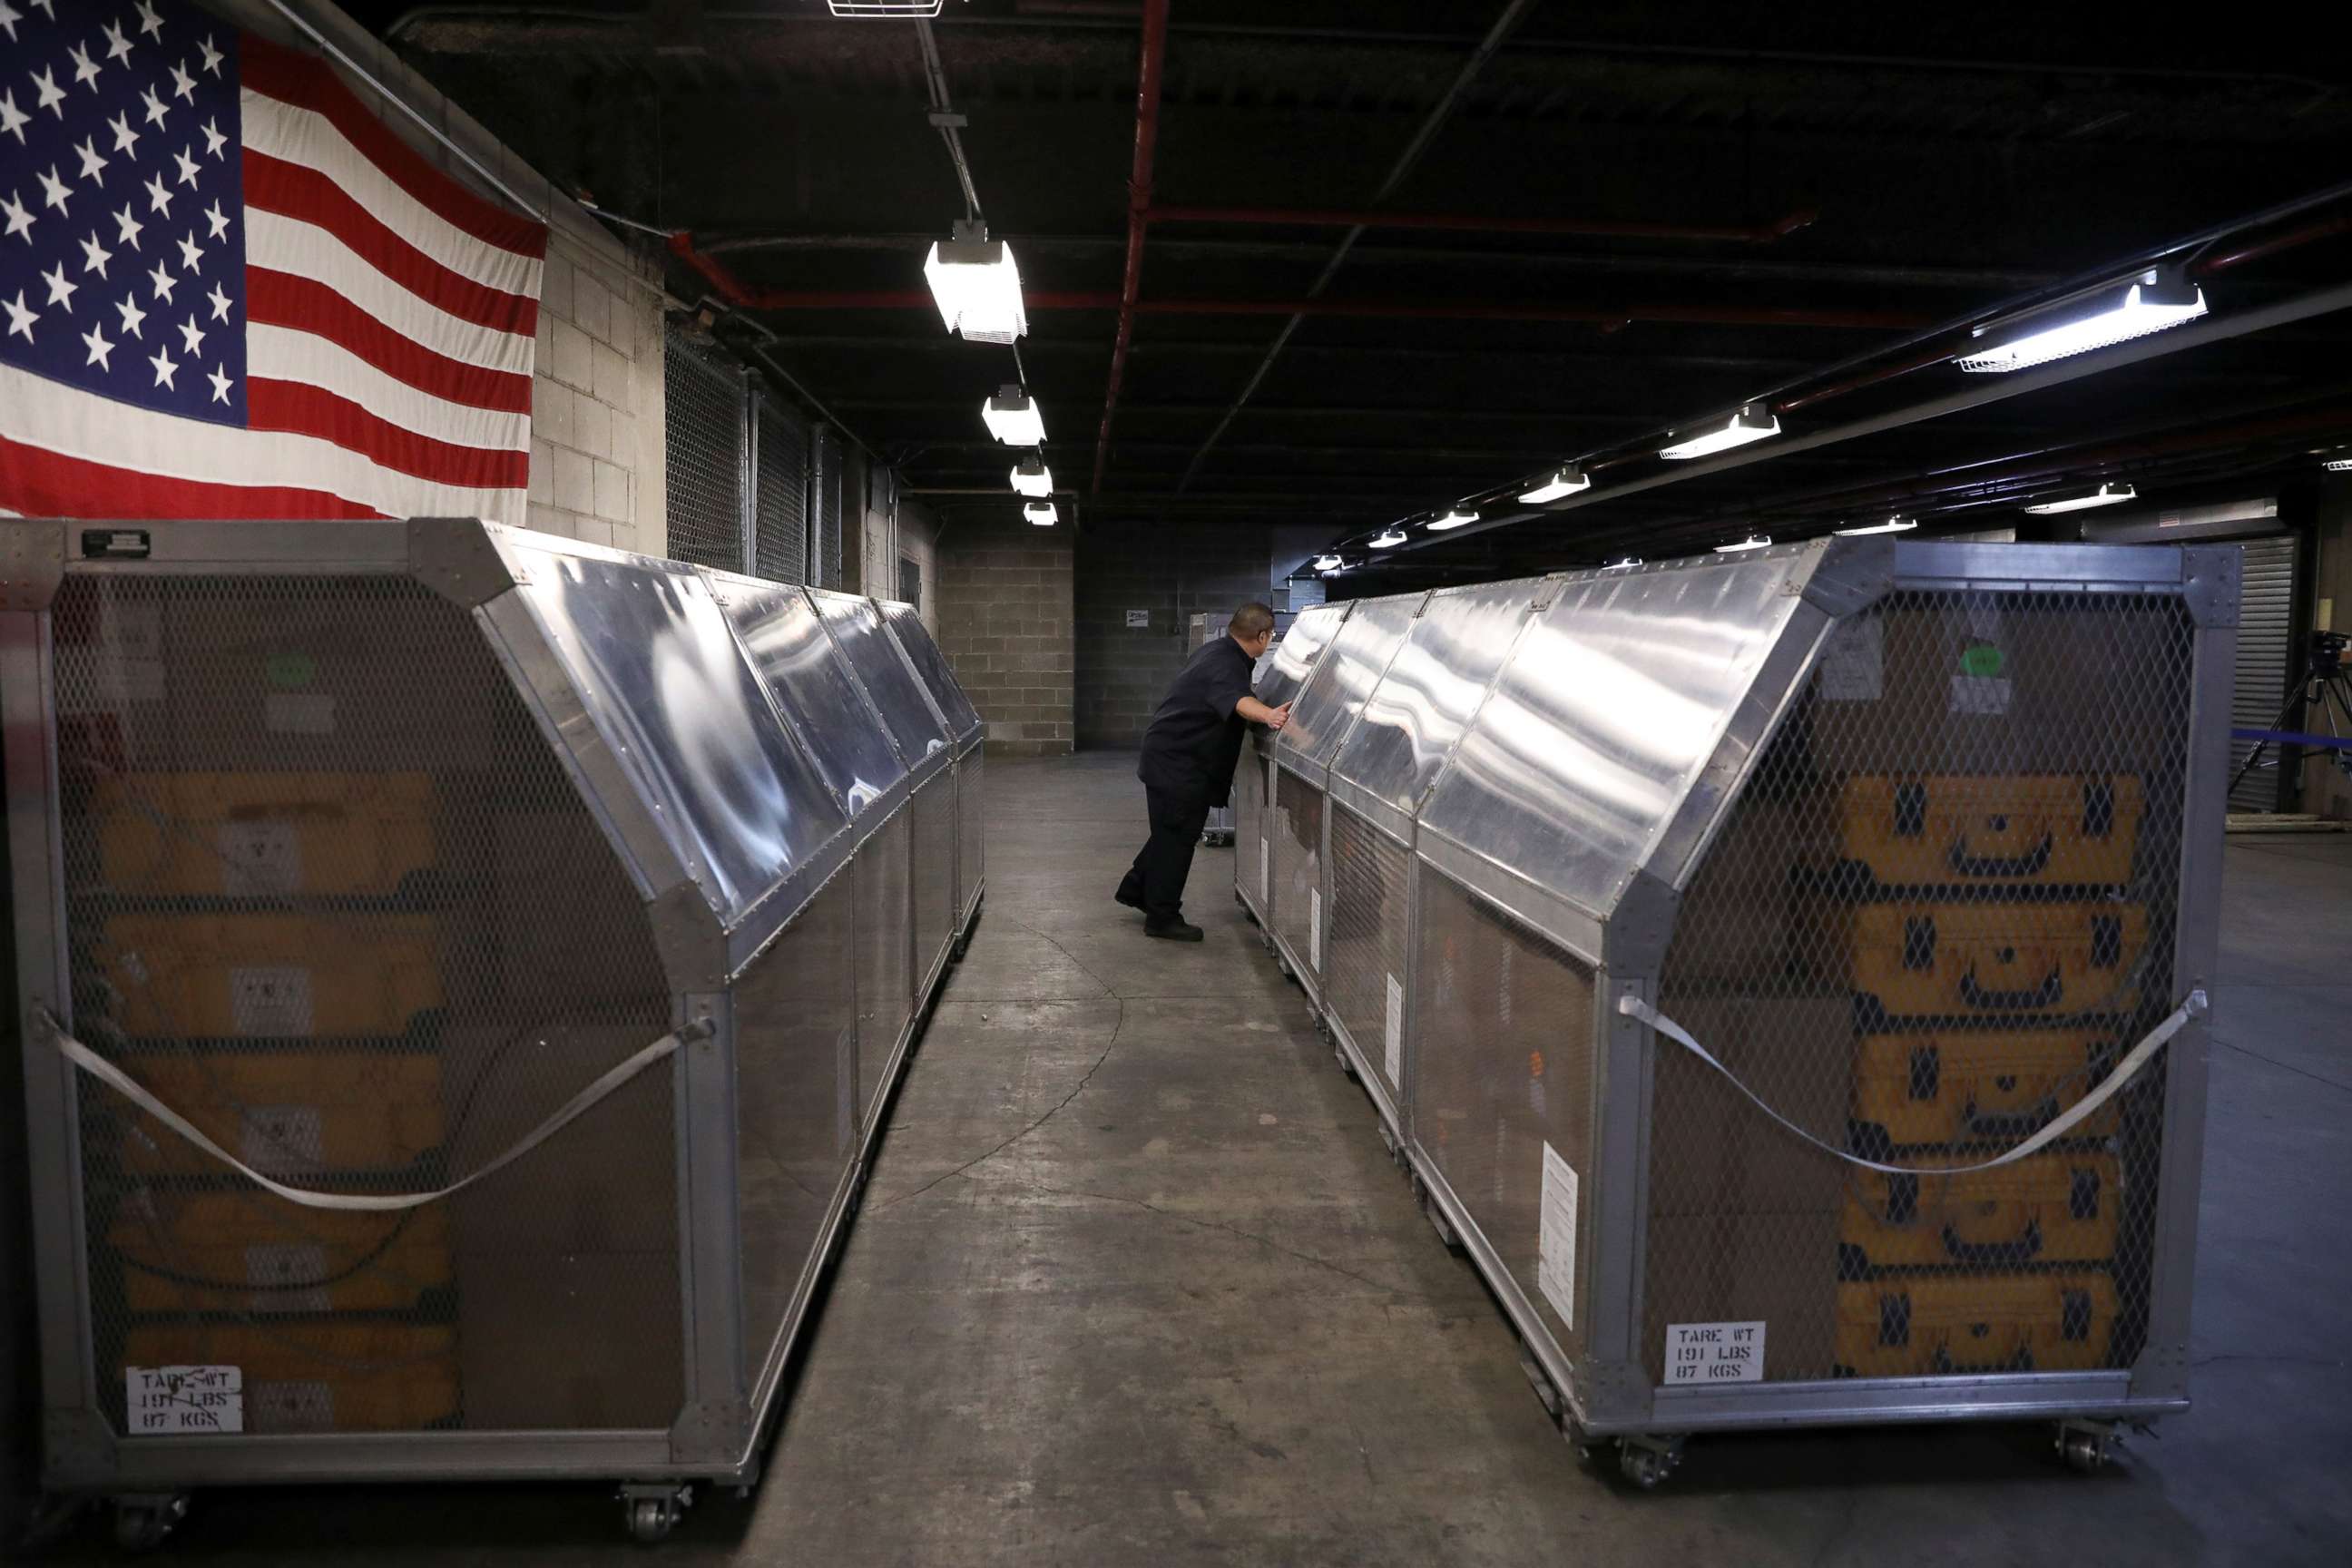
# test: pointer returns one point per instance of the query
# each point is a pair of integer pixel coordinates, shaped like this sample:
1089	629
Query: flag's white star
20	219
156	107
193	335
12	119
212	56
220	382
187	166
161	360
49	7
92	162
61	289
94	256
127	228
220	303
132	315
98	348
125	139
148	21
116	46
9	17
52	95
54	191
159	198
85	68
190	254
217	218
20	319
183	84
214	140
164	283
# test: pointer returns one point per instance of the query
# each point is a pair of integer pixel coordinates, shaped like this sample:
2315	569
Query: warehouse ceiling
1590	224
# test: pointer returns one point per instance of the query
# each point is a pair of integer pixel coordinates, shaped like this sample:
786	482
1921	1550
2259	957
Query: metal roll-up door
703	438
2266	659
780	530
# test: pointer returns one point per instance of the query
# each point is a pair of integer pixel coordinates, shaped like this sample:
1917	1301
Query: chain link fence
743	470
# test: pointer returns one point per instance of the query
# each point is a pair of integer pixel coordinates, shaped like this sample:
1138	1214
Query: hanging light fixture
1329	563
1753	542
1030	477
976	284
1622	563
2159	298
1013	417
1457	517
1750	424
1564	481
1388	540
898	9
1891	525
2105	495
1041	512
2342	465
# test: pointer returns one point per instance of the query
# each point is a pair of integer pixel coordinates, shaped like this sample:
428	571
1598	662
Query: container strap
2139	1056
620	1072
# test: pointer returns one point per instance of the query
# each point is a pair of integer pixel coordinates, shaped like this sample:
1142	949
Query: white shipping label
1853	661
270	999
298	713
1393	1057
1984	618
180	1401
1556	1236
1981	694
260	857
1715	1352
282	1140
281	1274
1315	927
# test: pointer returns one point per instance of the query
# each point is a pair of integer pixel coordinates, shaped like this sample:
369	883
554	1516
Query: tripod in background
2323	690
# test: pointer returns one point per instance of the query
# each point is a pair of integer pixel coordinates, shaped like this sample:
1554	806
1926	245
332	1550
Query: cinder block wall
1169	572
1004	612
598	468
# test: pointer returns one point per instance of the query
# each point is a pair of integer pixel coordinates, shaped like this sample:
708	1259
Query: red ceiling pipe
731	287
1466	222
2320	228
1139	214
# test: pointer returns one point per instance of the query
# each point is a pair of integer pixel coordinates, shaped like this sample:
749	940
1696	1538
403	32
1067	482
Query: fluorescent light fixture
1388	540
1030	477
1891	525
1622	563
1750	424
1329	563
2156	299
2105	495
1753	542
2338	465
1041	512
977	286
1564	481
899	9
1013	417
1457	517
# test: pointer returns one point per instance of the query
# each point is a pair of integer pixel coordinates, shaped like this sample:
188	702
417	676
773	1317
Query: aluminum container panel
1432	689
811	684
1288	664
889	680
1346	674
938	676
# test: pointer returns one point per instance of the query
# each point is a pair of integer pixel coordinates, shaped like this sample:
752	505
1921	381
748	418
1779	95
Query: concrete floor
1136	1283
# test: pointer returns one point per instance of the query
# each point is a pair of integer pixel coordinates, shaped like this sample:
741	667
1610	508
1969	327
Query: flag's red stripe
307	82
275	185
41	483
282	299
301	409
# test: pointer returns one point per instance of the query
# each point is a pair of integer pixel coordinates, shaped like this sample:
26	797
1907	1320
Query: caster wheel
1437	1220
1323	1028
652	1512
2086	1453
1646	1467
1345	1065
142	1524
1587	1449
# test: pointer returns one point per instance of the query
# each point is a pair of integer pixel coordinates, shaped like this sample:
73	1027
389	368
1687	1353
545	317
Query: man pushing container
1190	750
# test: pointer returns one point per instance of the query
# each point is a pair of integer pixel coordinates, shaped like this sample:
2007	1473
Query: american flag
227	290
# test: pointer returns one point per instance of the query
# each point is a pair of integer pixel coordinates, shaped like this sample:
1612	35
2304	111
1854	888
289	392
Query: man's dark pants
1156	881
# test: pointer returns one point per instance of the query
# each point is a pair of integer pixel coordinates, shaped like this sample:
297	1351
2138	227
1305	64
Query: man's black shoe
1171	930
1132	901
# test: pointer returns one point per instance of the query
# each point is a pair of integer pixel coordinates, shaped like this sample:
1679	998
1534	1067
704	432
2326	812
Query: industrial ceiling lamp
1457	517
1622	563
1388	540
896	9
2159	298
2338	465
1753	542
1329	563
2105	495
976	284
1891	525
1752	423
1013	417
1041	512
1564	481
1030	477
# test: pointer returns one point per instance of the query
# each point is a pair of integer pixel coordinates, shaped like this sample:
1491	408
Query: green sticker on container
288	671
1983	660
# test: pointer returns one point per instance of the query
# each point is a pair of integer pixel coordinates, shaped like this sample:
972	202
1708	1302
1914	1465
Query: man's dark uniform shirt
1196	738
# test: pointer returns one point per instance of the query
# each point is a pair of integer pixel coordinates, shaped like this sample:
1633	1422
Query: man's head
1252	627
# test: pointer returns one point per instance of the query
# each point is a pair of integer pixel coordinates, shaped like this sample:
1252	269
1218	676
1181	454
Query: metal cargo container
1281	674
353	864
1781	973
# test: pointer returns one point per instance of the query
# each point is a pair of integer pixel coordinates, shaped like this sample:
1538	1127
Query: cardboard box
1778	1269
1712	1151
590	1340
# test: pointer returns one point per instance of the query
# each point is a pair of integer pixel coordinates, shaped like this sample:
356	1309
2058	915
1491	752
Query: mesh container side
1249	825
1943	905
971	832
885	951
702	436
332	897
797	1110
780	501
1365	961
1501	1077
825	566
933	862
1297	830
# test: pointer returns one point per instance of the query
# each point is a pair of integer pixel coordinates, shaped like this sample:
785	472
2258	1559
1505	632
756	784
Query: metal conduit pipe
1139	207
1465	223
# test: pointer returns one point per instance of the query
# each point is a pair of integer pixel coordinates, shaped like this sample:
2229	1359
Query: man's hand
1276	718
1257	712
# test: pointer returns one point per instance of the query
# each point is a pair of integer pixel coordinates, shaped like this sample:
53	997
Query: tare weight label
1714	1353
